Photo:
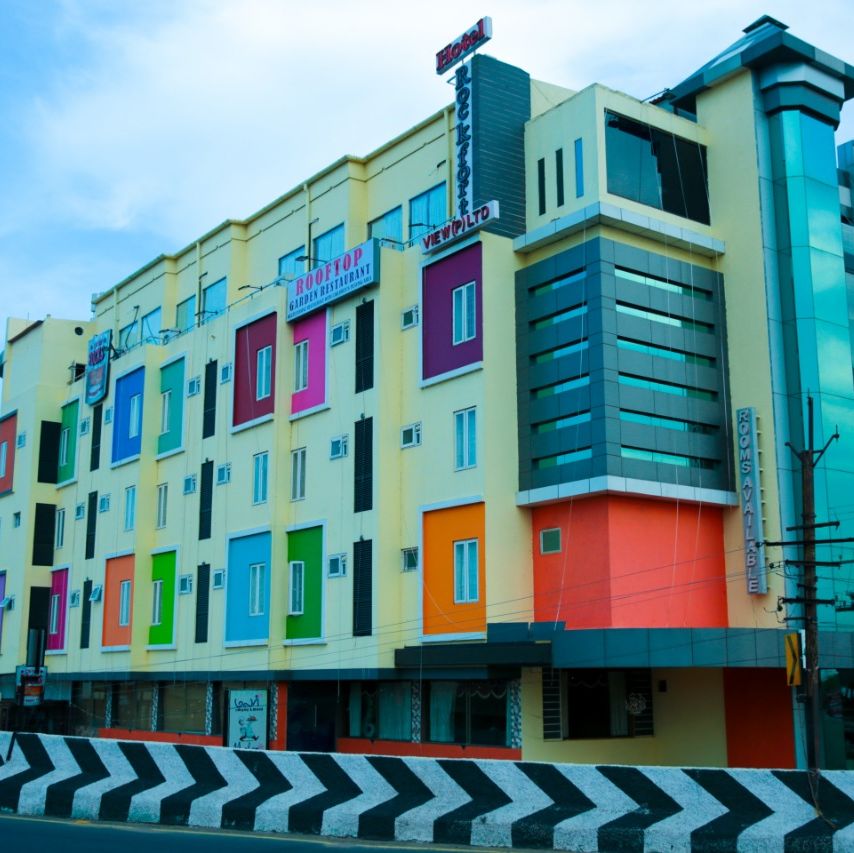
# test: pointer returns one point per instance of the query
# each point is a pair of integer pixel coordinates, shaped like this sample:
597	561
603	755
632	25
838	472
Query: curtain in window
617	699
443	696
395	706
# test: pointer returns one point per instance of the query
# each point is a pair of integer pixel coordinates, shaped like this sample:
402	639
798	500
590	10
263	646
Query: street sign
794	671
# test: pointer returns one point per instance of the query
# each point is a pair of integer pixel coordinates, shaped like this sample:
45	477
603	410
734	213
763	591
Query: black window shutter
363	464
209	408
86	615
91	520
541	186
95	451
559	175
203	594
43	533
206	500
365	346
362	588
49	451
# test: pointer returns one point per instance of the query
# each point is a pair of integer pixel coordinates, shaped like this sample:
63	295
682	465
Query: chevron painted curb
582	808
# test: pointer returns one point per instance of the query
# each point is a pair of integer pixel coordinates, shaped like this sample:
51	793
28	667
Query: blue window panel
579	169
289	266
240	623
127	415
328	246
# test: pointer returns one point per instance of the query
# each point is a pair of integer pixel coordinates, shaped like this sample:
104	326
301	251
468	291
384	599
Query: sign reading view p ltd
333	280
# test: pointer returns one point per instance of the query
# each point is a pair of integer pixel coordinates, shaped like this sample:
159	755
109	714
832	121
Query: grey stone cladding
621	369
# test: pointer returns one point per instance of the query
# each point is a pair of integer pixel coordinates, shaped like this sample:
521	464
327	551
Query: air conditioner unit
189	484
410	559
74	599
339	333
225	373
218	579
409	317
80	511
194	386
337	565
410	436
7	603
104	503
185	584
338	447
108	415
21	440
84	426
97	592
223	474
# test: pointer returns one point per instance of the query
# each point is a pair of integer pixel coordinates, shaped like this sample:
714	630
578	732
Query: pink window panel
58	600
313	330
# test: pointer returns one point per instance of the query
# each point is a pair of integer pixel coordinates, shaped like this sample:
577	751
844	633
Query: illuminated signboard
334	280
750	500
98	367
463	45
459	227
464	142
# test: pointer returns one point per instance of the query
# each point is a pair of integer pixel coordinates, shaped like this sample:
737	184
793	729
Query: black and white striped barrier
460	802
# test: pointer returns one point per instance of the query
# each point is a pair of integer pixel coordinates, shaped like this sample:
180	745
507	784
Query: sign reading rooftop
333	280
459	227
463	45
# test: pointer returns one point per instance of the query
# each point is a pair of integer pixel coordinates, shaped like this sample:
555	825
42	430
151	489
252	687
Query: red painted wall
8	433
248	340
630	562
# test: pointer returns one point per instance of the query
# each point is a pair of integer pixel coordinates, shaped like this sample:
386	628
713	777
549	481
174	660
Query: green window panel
306	546
171	407
68	442
163	570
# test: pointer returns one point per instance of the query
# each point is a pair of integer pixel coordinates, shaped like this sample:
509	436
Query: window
185	314
655	167
157	602
328	245
365	346
4	455
124	604
263	376
289	266
151	326
337	565
301	366
472	712
464	313
213	300
256	589
410	559
541	186
550	541
605	703
338	447
465	439
165	400
54	613
16	519
162	498
297	588
259	477
409	317
134	415
129	336
410	435
579	168
559	176
339	333
465	571
130	507
63	446
427	210
379	710
389	226
298	474
59	530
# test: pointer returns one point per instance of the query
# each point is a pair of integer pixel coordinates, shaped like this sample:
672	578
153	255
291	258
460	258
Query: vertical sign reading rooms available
98	367
333	280
751	501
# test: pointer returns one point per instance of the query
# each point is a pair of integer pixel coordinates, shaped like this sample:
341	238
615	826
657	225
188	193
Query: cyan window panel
306	546
670	647
241	625
576	649
710	647
127	435
823	217
822	273
163	568
172	381
67	469
817	139
769	648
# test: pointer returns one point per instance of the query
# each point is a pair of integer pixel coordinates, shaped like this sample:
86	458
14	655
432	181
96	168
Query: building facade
471	446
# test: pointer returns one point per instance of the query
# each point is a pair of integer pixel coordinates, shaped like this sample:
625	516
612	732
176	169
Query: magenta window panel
248	341
439	280
58	589
313	330
2	595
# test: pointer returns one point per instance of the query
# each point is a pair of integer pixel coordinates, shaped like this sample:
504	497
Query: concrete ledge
455	802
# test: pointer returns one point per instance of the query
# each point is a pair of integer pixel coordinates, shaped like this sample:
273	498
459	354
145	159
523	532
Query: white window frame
465	438
104	503
406	552
467	317
413	315
64	437
264	372
298	474
59	529
296	588
416	435
465	582
162	505
256	588
130	507
134	415
157	603
343	442
546	530
190	484
124	603
301	366
165	401
339	333
260	469
223	474
53	627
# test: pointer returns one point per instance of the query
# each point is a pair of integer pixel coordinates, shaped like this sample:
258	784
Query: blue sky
129	129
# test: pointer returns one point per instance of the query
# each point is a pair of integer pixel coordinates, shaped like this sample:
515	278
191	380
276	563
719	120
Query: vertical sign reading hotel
247	719
750	500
